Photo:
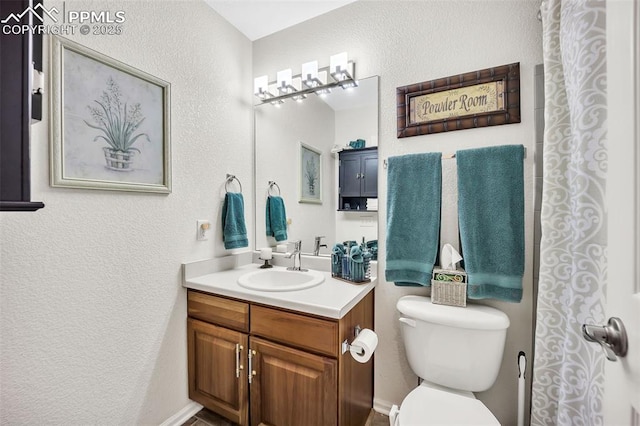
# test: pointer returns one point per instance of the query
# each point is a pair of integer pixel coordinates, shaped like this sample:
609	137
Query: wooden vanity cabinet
217	346
292	387
213	381
291	370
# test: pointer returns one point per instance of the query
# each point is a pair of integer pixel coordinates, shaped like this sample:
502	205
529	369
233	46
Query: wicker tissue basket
449	287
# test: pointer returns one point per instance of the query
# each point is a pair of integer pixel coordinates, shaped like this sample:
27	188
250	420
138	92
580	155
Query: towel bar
231	178
448	156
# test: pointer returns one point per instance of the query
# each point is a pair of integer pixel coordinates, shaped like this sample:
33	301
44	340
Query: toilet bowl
455	351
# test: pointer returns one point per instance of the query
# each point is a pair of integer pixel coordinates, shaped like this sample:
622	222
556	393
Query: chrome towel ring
273	183
231	178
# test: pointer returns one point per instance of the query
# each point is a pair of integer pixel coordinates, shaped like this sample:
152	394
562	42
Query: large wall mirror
297	135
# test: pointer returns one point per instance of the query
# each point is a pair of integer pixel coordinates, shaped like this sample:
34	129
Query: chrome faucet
317	245
297	249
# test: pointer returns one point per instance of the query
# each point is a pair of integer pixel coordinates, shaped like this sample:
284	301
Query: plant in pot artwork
311	175
118	122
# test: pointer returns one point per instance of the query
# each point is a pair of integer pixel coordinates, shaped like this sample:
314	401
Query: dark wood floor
207	418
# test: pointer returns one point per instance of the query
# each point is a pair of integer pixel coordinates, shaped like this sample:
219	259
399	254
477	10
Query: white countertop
332	298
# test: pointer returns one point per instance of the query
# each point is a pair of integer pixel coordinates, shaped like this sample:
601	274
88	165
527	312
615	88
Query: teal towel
414	185
234	230
338	249
491	220
356	254
356	266
337	253
276	218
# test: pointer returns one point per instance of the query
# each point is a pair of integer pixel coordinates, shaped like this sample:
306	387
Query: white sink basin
280	280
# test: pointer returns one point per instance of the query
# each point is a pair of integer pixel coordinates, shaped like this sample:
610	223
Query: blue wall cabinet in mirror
358	178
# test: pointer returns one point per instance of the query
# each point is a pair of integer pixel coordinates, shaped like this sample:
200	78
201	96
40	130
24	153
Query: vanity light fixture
299	97
261	87
284	82
309	75
311	78
338	66
276	102
342	70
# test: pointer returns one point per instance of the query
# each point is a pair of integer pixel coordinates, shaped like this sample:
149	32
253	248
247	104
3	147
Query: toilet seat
427	406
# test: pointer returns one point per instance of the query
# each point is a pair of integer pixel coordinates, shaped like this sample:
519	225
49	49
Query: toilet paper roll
363	346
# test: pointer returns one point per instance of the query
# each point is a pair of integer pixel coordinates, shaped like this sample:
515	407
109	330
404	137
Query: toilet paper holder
346	346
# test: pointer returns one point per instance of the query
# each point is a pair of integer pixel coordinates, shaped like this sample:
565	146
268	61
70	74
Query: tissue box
449	287
454	275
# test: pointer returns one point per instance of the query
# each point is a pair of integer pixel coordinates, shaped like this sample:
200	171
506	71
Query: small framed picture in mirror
310	174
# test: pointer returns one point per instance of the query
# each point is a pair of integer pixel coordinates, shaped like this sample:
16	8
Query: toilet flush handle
410	322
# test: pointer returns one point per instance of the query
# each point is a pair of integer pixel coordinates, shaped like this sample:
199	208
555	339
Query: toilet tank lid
477	317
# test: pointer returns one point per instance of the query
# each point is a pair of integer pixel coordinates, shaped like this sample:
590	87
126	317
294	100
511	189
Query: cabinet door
292	387
369	175
350	176
217	377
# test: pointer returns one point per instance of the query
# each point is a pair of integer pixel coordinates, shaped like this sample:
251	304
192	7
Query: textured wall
92	320
409	42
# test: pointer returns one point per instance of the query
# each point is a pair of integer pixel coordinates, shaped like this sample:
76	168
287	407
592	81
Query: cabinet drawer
218	310
314	334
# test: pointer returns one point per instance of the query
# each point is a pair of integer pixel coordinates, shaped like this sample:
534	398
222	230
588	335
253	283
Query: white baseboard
183	415
381	406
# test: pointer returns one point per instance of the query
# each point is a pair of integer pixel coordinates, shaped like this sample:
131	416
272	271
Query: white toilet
455	351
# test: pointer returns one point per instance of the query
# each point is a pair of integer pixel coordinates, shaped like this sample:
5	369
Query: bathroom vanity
275	358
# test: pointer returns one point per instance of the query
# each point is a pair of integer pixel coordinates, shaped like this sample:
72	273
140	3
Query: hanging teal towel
234	230
491	220
276	218
414	184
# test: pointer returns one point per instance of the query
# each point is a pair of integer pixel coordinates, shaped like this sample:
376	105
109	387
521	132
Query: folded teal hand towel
491	220
414	185
337	253
356	254
234	230
276	218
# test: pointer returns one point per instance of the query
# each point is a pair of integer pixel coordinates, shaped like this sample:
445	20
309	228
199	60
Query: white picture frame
110	123
310	183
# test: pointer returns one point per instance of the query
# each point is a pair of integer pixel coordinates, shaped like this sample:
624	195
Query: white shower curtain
568	372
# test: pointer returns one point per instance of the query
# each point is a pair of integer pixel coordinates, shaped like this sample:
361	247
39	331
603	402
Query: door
350	176
291	387
369	175
622	378
217	377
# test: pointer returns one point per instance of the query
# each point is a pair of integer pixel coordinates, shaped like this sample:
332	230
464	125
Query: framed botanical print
109	123
310	174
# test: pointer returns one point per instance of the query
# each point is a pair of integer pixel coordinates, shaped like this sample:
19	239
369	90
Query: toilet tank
455	347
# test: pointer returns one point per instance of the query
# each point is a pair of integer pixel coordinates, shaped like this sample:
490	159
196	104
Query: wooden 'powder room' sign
481	98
